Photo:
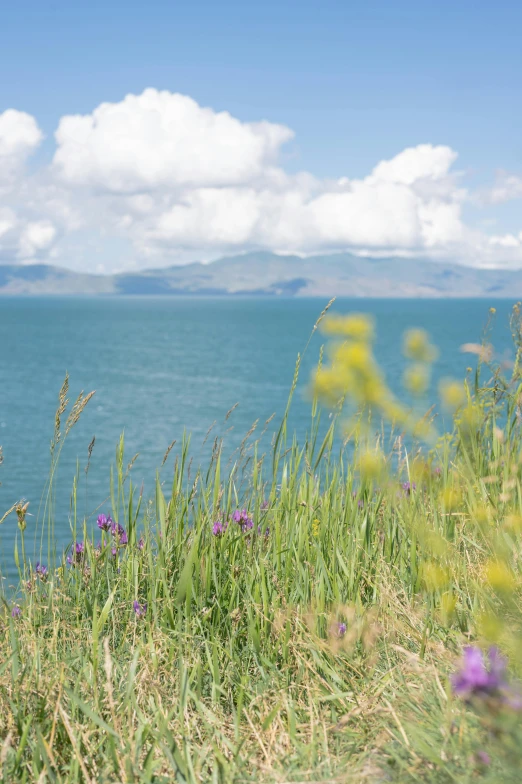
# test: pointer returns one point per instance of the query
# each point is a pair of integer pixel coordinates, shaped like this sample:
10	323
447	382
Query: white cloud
159	139
158	179
425	161
36	237
506	188
19	137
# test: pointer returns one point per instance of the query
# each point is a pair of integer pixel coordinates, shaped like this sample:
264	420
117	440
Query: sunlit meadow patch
347	609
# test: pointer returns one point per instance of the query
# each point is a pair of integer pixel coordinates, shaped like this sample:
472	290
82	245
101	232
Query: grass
316	646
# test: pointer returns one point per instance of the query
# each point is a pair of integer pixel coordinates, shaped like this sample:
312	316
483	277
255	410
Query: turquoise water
160	365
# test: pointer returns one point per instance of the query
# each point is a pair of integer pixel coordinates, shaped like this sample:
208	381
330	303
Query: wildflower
483	757
241	517
341	629
114	552
139	609
356	326
408	488
77	554
21	511
116	529
16	612
41	570
266	531
219	528
265	504
105	522
141	543
478	677
452	393
417	346
124	539
417	378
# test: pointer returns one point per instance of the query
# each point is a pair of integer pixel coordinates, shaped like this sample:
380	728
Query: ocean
162	366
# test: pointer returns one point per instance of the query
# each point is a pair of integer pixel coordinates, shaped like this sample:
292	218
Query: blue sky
357	82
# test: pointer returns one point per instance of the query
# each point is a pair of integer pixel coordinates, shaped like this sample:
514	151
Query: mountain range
269	274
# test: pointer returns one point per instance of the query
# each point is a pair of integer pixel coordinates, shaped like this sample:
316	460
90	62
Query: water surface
162	365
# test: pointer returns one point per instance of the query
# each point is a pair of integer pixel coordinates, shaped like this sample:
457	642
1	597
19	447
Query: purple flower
41	570
478	676
265	504
117	529
219	528
104	522
141	543
16	612
241	517
483	757
77	553
260	530
341	629
408	488
119	533
139	609
114	552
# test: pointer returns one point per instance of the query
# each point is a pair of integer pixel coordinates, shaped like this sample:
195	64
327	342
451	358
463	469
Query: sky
140	134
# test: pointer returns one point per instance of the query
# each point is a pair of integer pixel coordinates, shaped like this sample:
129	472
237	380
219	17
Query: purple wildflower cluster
242	518
408	488
219	527
77	554
41	570
139	609
106	523
341	629
16	612
484	677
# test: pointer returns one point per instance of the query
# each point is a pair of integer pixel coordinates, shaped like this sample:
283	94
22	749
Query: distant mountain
267	274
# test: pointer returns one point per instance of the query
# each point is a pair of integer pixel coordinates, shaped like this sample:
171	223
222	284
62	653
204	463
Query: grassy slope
237	672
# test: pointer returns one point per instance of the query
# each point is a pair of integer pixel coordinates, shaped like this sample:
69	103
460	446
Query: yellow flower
450	498
513	522
354	355
371	464
452	394
416	379
500	577
357	326
448	602
315	527
418	347
434	576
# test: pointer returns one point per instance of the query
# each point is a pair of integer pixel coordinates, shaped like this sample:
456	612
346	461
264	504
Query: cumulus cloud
171	180
159	139
35	237
424	162
383	211
19	137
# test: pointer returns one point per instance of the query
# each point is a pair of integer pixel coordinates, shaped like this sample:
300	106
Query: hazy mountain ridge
268	274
